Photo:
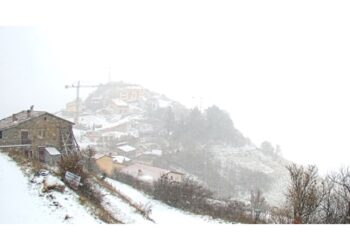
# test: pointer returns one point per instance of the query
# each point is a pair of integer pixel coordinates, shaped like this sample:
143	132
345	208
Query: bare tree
88	154
280	215
71	163
257	203
341	194
305	192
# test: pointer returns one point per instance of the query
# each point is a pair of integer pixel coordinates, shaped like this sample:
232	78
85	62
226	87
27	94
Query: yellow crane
78	86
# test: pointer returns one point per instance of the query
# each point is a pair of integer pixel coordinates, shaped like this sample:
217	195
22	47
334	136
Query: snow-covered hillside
23	201
149	123
251	158
161	213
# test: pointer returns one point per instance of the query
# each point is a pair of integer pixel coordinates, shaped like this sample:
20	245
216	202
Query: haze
280	69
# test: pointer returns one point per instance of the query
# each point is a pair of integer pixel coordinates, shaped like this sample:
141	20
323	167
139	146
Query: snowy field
23	202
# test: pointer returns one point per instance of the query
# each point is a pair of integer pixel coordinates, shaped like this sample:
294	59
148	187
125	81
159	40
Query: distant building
119	106
34	131
131	93
104	163
127	151
71	107
121	160
151	174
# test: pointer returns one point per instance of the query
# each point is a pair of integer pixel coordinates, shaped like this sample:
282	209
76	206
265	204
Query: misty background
280	69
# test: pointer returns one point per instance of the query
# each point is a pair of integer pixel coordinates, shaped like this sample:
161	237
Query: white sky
281	68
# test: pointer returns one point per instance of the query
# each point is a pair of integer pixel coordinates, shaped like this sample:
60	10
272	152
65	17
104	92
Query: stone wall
42	131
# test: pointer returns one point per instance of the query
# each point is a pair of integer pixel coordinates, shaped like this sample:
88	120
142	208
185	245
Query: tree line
311	199
183	126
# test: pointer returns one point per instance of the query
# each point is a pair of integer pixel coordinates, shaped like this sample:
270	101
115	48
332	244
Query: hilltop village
195	160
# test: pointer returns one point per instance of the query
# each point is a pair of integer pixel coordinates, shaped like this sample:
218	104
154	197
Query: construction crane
78	86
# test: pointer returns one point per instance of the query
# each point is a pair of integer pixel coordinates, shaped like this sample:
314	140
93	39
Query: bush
187	194
71	163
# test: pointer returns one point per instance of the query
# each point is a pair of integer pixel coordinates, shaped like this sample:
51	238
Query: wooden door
42	154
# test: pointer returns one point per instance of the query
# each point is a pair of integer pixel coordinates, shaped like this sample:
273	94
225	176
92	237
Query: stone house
32	131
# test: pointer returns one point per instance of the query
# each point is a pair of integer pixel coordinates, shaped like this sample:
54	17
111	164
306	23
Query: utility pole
78	86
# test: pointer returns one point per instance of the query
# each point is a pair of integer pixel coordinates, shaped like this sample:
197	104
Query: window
41	133
0	134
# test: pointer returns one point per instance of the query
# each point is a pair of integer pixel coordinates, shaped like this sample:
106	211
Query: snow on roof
119	102
52	151
119	122
20	117
98	156
156	152
120	159
24	116
139	170
127	148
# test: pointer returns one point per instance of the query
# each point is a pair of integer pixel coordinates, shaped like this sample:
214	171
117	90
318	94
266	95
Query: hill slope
204	144
24	202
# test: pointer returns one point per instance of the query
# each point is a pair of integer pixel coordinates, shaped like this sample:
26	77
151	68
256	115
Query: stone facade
36	133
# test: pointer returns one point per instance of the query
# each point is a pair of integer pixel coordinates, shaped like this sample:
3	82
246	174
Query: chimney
14	117
29	111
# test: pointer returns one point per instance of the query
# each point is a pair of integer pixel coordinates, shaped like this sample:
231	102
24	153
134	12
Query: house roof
120	159
156	152
127	148
52	151
98	156
22	117
144	172
175	172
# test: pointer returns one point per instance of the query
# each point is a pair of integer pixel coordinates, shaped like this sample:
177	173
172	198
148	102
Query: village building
151	174
119	106
127	151
121	160
104	163
108	164
131	93
37	132
71	107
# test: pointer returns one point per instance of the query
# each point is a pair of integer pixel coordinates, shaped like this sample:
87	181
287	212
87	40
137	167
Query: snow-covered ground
161	213
23	202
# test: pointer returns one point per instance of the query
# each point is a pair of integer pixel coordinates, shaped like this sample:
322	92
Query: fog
279	69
